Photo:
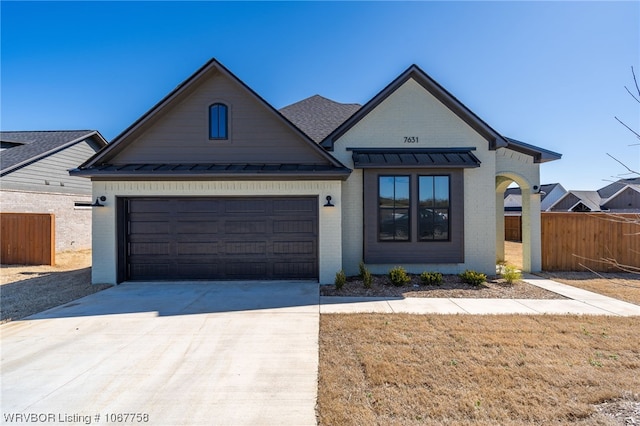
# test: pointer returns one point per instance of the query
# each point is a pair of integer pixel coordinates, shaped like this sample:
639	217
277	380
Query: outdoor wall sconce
98	203
328	203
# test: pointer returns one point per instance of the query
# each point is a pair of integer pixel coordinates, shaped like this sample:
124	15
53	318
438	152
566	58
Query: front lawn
396	369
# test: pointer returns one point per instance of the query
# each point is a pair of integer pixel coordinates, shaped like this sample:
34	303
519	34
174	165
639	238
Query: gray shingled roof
35	145
615	187
318	116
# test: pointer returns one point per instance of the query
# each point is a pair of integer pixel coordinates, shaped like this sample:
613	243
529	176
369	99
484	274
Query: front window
433	208
393	208
218	121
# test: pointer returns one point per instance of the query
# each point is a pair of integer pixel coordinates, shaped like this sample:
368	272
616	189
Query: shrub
341	279
398	276
510	274
365	275
472	277
431	278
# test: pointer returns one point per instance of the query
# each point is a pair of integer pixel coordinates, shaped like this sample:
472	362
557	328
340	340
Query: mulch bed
451	287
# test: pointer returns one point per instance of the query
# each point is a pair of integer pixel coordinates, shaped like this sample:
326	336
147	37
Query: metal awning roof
185	171
414	158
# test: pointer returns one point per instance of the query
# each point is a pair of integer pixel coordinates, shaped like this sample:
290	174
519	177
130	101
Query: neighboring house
622	196
214	183
34	178
549	194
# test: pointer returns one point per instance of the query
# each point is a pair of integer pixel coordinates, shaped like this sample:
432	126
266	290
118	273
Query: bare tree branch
635	81
630	129
624	165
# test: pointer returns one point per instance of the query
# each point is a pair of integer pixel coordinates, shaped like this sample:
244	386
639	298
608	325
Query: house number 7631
410	139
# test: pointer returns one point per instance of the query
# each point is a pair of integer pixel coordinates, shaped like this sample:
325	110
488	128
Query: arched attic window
218	121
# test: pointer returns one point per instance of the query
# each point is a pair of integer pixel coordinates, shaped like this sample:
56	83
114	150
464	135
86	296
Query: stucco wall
73	224
104	219
412	111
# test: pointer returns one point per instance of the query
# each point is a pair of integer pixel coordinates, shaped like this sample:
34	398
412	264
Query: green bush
472	277
510	274
431	278
398	276
341	279
365	276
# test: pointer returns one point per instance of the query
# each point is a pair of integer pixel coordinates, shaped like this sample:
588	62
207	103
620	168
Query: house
622	196
34	178
215	183
549	194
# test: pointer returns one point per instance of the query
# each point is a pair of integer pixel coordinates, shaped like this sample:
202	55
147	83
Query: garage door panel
293	226
197	248
245	227
199	226
243	248
222	238
136	249
245	206
151	227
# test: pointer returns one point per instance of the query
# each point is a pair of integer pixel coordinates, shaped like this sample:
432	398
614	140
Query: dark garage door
221	238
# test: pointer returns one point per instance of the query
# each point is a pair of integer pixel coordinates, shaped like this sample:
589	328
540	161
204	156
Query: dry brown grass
398	369
623	286
513	253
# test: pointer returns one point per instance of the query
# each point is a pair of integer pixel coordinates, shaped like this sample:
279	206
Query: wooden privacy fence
573	241
513	228
27	238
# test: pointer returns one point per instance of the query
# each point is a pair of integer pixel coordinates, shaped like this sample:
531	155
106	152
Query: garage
219	238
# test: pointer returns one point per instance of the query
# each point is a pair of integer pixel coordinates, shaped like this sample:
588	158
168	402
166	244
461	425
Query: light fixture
328	204
97	203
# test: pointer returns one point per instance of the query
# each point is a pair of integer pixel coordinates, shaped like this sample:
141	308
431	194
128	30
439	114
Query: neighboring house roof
591	200
92	166
318	116
29	147
544	190
615	187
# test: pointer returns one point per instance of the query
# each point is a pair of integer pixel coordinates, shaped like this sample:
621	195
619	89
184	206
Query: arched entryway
531	246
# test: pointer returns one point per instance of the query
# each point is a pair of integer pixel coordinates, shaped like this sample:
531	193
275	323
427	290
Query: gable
174	139
626	199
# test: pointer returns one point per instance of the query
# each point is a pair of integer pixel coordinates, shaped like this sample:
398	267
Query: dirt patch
452	287
400	369
26	290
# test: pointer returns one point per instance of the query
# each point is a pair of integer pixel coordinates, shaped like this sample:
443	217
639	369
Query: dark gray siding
180	134
565	204
387	252
628	199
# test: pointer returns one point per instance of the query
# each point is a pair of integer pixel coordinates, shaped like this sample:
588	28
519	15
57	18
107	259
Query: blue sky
550	74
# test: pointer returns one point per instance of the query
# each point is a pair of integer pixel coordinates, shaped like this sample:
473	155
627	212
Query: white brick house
214	183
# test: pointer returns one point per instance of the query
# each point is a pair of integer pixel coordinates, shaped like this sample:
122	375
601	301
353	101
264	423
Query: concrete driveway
224	353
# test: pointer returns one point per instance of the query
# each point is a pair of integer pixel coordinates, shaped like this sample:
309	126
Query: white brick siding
104	219
412	111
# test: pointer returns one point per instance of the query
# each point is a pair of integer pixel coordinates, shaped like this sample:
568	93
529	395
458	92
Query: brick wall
73	225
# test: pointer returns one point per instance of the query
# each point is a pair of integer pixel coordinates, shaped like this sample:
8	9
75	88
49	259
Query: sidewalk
579	302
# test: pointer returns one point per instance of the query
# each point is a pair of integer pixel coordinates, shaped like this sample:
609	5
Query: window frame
408	208
226	109
434	208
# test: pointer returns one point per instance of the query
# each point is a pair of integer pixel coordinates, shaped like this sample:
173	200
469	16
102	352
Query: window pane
386	191
218	121
425	186
433	214
402	191
222	121
441	186
393	208
394	225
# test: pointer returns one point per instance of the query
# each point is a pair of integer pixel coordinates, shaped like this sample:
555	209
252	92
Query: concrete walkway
579	302
171	353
